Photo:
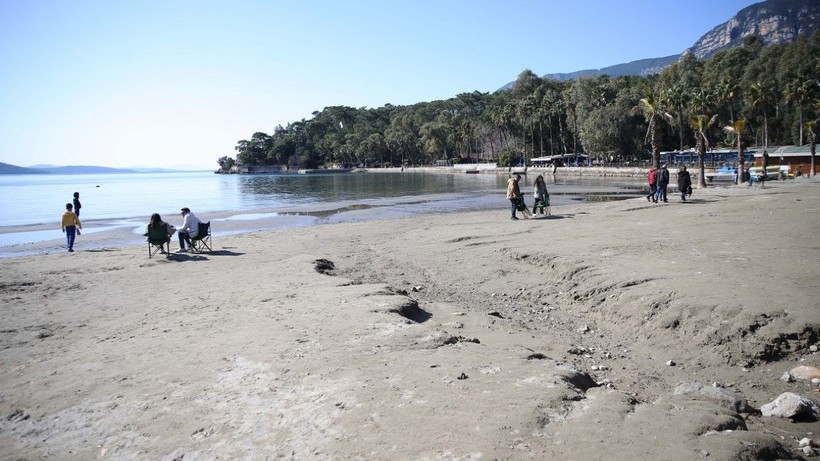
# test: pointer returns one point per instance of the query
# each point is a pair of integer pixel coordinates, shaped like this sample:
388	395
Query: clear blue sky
177	83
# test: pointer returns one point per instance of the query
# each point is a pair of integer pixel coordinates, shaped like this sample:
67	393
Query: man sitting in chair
189	228
159	232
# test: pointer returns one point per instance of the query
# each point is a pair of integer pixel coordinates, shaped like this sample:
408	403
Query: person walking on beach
70	224
514	194
77	204
663	182
652	177
684	183
540	194
188	229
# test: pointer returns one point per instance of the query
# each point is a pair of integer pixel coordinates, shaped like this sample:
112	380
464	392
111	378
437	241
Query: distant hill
775	21
5	168
81	169
641	67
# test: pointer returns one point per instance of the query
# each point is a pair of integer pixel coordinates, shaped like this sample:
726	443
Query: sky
176	83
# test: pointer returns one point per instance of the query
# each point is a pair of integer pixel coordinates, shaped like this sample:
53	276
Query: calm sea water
38	199
123	200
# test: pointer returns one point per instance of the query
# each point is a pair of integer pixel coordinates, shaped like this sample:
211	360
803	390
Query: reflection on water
280	189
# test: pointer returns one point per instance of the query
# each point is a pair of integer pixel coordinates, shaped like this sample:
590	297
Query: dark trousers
653	189
183	238
70	234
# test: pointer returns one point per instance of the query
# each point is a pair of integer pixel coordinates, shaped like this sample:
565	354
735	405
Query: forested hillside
774	90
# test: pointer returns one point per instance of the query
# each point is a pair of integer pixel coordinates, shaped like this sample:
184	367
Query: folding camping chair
202	239
158	240
543	204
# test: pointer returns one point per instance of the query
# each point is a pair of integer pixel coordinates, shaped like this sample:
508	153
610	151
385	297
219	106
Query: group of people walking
658	179
540	195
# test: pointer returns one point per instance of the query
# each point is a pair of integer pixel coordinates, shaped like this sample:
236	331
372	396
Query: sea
34	203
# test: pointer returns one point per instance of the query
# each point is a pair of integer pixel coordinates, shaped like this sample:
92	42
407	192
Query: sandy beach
617	330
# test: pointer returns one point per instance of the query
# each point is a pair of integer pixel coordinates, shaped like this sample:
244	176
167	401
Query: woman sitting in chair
158	231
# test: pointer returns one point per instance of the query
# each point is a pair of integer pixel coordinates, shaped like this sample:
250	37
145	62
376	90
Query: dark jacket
663	176
684	181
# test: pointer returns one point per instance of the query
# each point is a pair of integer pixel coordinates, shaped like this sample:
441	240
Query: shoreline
19	240
480	336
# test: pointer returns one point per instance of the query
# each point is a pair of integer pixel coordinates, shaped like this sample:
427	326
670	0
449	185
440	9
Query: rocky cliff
775	21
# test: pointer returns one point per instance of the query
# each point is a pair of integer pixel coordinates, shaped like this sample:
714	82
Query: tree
678	97
701	123
253	151
736	131
226	163
702	101
759	96
652	111
797	92
727	92
433	137
811	136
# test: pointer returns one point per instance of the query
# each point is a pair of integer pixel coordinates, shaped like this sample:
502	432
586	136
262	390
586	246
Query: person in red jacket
653	184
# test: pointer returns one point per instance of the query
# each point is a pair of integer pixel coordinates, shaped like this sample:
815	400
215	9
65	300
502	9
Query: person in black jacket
663	182
684	183
77	204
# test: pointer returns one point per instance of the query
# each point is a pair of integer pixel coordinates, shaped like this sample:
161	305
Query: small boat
471	171
772	172
724	173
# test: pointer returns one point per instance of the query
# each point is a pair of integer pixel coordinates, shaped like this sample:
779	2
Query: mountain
642	67
80	169
5	168
775	21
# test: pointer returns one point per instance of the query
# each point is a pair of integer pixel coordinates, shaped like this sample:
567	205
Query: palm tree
651	108
701	101
736	131
701	123
811	136
759	96
727	92
569	102
678	97
796	92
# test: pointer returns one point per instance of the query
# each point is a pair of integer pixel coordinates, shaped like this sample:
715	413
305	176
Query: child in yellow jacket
70	225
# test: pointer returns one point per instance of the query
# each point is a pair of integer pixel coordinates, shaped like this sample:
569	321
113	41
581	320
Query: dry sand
452	336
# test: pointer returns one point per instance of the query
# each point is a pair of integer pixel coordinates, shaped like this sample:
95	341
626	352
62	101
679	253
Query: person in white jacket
188	229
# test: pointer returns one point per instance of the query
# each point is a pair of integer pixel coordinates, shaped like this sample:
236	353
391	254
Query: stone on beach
719	395
805	373
791	405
